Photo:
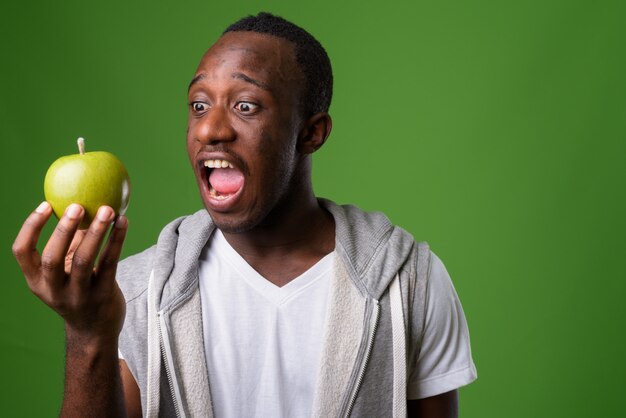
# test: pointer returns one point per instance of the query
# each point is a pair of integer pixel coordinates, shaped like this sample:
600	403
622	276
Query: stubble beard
270	211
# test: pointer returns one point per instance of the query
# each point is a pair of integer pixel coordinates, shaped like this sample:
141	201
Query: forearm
445	405
93	385
67	278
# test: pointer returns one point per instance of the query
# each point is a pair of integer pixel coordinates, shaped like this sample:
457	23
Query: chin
255	213
232	225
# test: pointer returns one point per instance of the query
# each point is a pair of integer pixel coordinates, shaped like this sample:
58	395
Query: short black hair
310	55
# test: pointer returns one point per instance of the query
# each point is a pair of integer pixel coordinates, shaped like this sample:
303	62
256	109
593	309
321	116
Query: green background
494	130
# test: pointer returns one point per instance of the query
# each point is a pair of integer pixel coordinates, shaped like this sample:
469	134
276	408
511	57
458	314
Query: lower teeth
213	194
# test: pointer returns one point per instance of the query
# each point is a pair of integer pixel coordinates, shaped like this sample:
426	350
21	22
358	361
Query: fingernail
73	211
104	214
121	222
43	206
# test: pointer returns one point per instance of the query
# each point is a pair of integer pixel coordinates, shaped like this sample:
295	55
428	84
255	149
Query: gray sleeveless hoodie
373	331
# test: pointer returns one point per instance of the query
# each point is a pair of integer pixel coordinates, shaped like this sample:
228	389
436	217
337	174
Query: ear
314	133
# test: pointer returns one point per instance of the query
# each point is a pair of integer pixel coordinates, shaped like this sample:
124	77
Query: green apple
91	179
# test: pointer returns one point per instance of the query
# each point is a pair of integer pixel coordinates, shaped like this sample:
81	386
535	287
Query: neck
300	225
296	235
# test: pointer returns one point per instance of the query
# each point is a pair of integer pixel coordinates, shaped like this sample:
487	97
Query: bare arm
84	293
131	392
440	406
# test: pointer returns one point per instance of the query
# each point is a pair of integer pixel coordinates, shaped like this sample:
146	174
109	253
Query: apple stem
81	145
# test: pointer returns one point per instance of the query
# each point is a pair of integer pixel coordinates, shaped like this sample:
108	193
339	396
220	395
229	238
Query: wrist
89	344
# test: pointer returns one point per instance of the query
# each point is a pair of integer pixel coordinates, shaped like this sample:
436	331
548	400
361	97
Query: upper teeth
217	164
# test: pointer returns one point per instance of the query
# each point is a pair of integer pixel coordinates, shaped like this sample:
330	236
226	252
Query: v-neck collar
275	294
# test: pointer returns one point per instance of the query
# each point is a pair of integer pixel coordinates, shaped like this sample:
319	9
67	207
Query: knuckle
63	229
81	262
17	250
32	221
118	238
107	264
95	230
48	263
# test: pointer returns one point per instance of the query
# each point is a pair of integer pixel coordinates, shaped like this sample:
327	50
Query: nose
215	127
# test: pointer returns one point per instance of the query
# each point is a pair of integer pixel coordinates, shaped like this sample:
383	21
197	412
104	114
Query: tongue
226	180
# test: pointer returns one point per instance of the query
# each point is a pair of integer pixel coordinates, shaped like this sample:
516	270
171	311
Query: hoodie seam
187	290
426	279
131	300
185	294
353	274
413	275
358	274
378	248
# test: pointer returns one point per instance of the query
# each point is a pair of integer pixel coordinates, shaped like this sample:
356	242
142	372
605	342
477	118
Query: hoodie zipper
169	366
366	358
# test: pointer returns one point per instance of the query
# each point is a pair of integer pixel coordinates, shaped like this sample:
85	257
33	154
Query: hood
372	249
176	258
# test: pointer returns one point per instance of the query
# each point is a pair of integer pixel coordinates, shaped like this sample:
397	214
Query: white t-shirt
263	342
445	360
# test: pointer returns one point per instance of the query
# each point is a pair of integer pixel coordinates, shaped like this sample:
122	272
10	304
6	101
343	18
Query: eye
246	107
198	107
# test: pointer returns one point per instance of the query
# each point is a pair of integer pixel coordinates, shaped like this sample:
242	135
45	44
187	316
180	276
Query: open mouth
223	179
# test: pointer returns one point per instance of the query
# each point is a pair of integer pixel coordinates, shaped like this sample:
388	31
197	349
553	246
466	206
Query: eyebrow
238	76
260	84
195	80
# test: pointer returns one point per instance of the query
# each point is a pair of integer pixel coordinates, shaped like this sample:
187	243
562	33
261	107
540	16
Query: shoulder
180	235
444	360
133	273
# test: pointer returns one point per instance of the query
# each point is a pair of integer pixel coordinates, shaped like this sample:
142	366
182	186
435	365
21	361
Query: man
269	303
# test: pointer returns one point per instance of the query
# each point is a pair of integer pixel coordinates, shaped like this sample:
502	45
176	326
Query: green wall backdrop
494	130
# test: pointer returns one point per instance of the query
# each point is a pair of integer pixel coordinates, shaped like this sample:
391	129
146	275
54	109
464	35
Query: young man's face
244	116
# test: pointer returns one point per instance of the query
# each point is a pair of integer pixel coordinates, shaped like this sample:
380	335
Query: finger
86	253
107	263
53	255
25	245
78	237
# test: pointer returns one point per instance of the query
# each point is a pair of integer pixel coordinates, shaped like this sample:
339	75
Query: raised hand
79	285
69	276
